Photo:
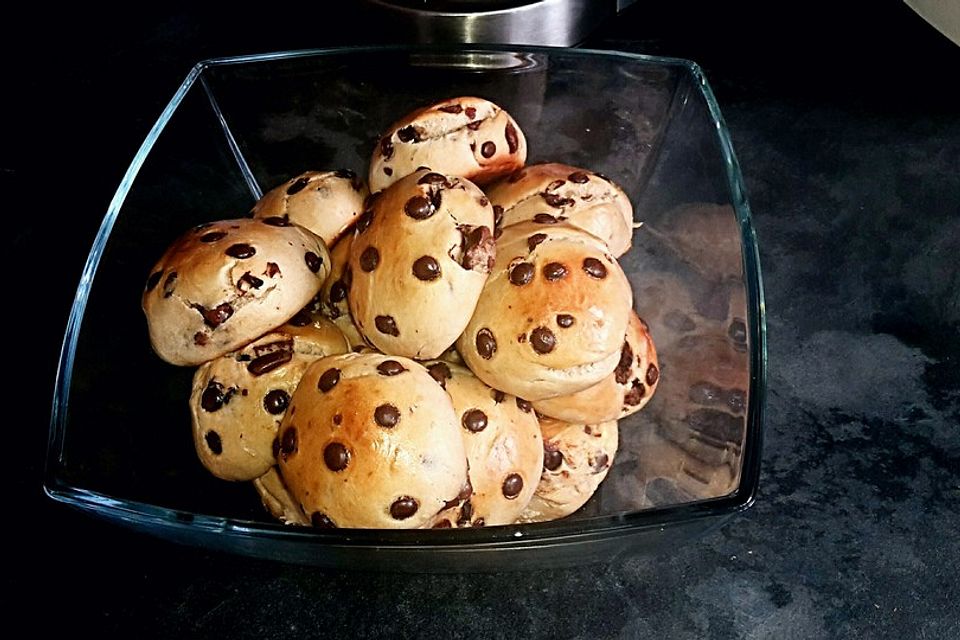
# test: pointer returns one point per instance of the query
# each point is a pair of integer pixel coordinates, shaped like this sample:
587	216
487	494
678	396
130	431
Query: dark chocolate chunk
321	520
386	415
386	325
554	271
153	280
269	361
328	379
594	268
474	420
404	507
513	140
486	343
565	320
390	368
542	340
622	372
369	259
426	268
440	372
314	262
419	208
512	486
276	401
521	273
488	148
213	236
214	443
336	456
241	251
297	185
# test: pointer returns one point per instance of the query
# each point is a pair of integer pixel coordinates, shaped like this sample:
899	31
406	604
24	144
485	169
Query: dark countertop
849	141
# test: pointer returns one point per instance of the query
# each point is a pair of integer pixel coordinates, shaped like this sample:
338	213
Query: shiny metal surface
537	22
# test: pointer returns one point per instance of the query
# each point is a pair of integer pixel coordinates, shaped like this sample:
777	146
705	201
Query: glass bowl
120	440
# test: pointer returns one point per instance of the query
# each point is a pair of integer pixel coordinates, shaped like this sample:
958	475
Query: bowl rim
161	519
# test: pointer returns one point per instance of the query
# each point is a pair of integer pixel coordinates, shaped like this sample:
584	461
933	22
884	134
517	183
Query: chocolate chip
556	201
386	415
433	178
213	442
246	282
328	379
488	149
497	216
622	372
512	486
451	108
603	177
403	507
213	397
594	268
364	221
213	236
153	280
369	259
346	174
276	221
386	148
521	274
200	339
276	401
336	456
390	368
271	270
535	239
471	112
338	292
419	208
408	134
169	283
578	177
554	271
300	319
288	442
524	406
556	184
635	395
388	171
321	521
241	251
213	318
738	332
544	218
486	343
552	460
443	524
426	268
474	421
473	126
565	320
498	396
269	361
440	372
498	233
314	262
297	185
337	419
479	249
513	141
466	512
386	325
542	340
600	463
484	201
652	374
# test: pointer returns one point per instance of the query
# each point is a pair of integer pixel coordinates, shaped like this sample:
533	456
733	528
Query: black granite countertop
848	133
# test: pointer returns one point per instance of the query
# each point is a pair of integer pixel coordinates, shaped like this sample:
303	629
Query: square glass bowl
120	440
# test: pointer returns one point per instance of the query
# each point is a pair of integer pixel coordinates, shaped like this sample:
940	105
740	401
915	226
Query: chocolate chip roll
419	259
325	202
501	435
224	284
551	319
467	137
371	441
239	399
277	500
584	199
624	392
576	459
